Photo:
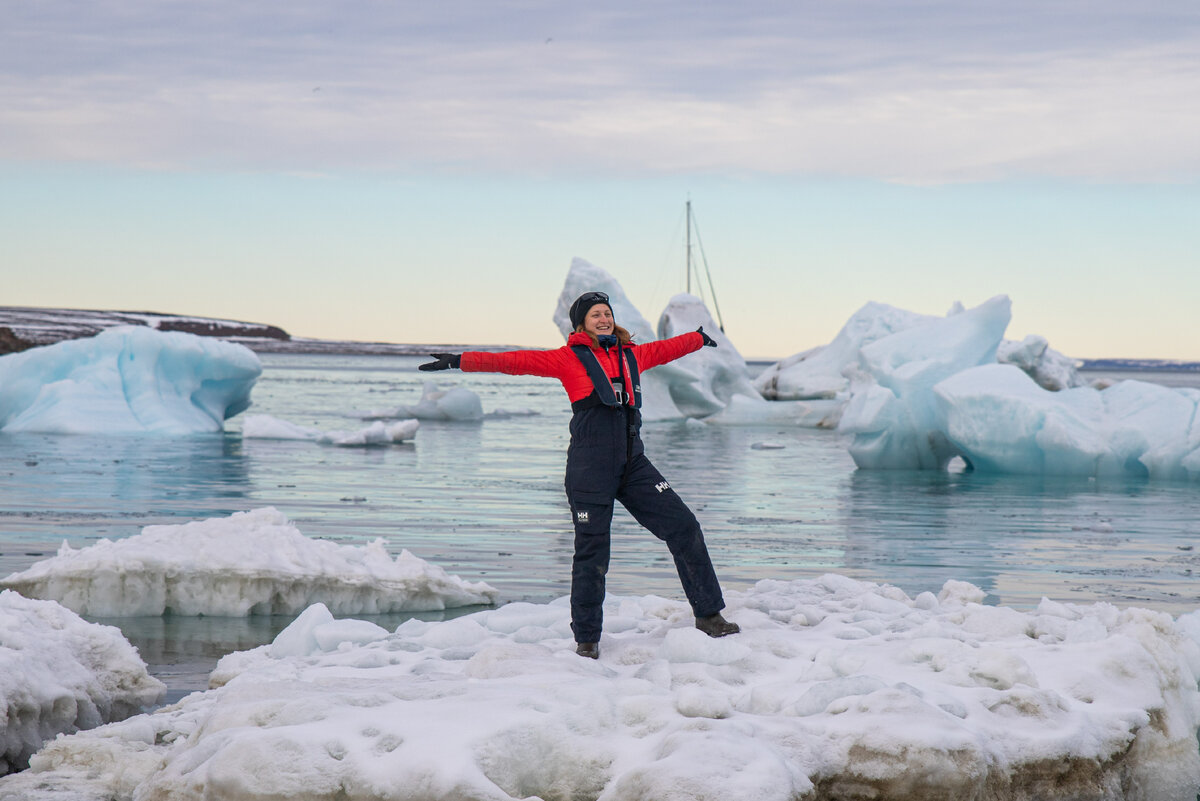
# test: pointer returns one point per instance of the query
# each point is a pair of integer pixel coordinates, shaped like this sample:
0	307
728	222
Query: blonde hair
623	336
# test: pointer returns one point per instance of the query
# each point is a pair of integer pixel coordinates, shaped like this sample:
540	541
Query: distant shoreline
1138	365
25	327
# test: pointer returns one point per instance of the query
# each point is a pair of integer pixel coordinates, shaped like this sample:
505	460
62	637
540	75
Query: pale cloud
914	92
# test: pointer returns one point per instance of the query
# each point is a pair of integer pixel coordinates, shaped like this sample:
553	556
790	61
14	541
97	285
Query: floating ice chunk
501	413
455	403
942	388
892	411
264	426
252	562
825	372
378	433
127	380
59	673
817	373
1000	420
927	700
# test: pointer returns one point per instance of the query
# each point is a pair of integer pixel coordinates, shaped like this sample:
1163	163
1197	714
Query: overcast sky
424	172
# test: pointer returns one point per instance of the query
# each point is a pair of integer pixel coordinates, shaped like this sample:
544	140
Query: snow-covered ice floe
834	689
264	426
252	562
127	380
58	674
933	392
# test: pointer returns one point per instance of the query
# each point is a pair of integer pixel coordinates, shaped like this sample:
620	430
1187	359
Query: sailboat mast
707	273
688	263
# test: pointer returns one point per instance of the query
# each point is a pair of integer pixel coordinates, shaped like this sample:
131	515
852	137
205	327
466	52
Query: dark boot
589	649
717	626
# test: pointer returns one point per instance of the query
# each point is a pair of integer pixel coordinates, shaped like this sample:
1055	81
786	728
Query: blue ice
127	380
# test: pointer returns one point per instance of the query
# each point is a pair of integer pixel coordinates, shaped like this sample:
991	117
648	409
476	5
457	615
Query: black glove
709	342
444	362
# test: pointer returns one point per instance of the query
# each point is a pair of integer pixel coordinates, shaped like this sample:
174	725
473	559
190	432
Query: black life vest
604	393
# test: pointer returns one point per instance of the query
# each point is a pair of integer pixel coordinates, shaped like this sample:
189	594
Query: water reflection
81	488
1024	537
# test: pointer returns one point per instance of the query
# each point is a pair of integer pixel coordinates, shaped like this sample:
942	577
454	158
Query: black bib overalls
606	462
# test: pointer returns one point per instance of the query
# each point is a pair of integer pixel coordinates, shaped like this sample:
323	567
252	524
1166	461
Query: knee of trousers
678	524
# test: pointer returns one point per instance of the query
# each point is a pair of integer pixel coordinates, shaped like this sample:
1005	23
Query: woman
600	367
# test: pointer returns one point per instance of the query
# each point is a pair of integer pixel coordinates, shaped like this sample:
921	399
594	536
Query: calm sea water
485	501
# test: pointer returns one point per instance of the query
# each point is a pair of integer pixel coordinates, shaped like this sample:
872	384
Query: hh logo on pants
662	485
581	517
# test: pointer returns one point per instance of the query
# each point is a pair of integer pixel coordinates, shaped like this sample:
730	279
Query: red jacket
563	364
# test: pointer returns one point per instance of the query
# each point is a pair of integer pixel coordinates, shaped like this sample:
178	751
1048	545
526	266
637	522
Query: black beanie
583	304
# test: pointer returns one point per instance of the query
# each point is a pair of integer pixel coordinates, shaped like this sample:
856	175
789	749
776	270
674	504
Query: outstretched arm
544	363
661	351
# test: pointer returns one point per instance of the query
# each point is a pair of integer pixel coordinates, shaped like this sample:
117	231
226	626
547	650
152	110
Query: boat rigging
693	268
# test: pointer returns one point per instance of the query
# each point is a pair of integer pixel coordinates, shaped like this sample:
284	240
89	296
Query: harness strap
603	391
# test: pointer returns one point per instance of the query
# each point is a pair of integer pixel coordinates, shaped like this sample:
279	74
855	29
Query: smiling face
599	320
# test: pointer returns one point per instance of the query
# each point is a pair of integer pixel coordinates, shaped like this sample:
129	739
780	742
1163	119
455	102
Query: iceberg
834	688
721	375
60	674
818	373
936	391
264	426
127	380
824	373
891	411
999	419
249	563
